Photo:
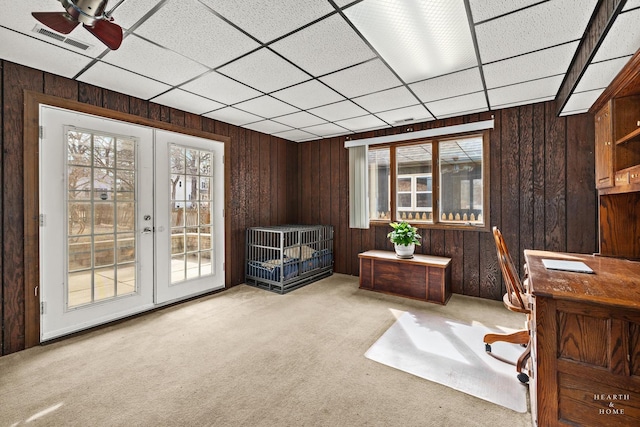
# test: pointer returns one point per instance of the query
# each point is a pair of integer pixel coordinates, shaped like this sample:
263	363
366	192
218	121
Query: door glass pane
101	210
190	209
413	191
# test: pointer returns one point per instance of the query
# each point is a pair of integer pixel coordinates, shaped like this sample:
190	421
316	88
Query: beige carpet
246	357
451	352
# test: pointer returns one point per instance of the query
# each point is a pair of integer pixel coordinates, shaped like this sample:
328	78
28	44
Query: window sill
436	226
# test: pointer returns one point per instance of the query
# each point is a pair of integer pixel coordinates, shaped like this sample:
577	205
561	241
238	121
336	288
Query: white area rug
451	352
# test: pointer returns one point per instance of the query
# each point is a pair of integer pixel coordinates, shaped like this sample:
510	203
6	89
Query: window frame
435	182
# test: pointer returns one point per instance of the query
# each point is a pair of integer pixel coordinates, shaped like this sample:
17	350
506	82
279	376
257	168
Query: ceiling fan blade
107	32
57	21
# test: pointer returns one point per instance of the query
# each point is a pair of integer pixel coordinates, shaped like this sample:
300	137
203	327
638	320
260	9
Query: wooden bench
423	277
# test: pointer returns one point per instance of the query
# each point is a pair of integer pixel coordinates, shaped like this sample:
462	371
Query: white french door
111	243
189	205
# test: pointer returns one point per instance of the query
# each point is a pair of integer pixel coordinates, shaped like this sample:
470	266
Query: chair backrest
515	289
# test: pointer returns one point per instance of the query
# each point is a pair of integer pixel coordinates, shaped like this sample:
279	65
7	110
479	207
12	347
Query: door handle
147	230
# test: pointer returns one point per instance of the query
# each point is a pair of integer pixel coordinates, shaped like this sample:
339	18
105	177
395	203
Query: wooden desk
586	342
423	277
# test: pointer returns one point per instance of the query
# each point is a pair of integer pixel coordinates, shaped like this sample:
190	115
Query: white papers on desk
559	264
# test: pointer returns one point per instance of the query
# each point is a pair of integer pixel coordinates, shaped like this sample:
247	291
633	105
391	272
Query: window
436	182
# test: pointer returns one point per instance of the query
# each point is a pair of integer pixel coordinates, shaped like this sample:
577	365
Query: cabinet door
604	147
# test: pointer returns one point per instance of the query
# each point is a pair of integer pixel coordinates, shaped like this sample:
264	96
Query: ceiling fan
92	16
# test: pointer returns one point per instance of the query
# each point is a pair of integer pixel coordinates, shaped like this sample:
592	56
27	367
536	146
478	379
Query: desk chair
515	299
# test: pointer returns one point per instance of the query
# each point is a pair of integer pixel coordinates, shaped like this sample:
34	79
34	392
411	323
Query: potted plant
404	237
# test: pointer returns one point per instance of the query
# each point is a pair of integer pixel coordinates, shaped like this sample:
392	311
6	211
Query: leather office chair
515	299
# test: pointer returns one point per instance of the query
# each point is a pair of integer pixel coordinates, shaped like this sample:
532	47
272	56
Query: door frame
32	102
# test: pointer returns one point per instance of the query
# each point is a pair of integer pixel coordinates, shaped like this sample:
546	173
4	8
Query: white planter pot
405	251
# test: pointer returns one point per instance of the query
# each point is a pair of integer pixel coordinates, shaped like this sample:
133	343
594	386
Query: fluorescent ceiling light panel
600	74
450	85
61	61
221	88
266	106
535	65
186	101
622	39
233	116
308	95
418	39
109	77
533	28
150	60
268	20
264	70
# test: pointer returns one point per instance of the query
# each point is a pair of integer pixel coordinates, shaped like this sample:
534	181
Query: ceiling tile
200	34
580	102
338	111
308	95
458	105
268	20
19	19
525	93
186	101
362	79
631	4
295	135
534	28
622	39
161	64
482	9
342	3
220	88
418	39
358	124
598	75
233	116
264	70
387	100
327	129
130	12
59	61
300	120
448	86
401	116
266	106
268	127
335	46
123	81
535	65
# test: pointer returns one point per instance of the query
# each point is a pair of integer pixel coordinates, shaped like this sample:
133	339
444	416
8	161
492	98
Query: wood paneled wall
542	192
542	196
263	189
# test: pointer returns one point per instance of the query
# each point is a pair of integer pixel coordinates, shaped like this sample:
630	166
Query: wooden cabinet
585	365
604	147
423	277
617	163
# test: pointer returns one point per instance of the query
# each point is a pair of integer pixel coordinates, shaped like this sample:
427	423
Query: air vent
66	40
399	122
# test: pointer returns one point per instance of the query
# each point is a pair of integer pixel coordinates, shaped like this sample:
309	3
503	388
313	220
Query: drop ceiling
309	69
